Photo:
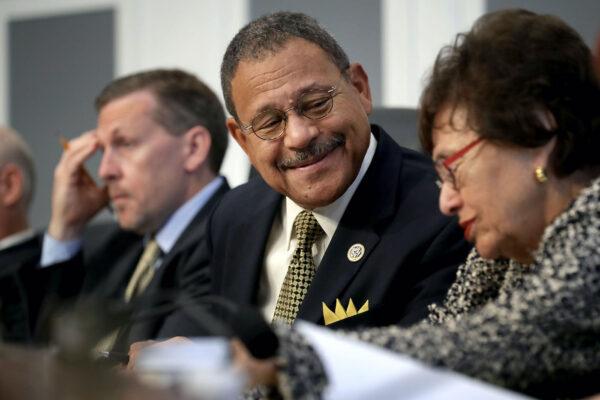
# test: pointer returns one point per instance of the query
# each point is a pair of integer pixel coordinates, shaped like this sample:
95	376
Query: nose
450	200
109	168
299	131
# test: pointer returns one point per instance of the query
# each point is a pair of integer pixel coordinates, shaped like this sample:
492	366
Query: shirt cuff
57	251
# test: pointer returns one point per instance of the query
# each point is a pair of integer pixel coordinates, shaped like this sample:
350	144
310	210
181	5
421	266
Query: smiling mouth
314	153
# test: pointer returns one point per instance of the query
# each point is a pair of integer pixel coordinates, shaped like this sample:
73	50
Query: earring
540	175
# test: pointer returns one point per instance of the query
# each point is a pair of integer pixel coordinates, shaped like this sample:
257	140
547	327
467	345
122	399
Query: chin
129	225
486	251
316	198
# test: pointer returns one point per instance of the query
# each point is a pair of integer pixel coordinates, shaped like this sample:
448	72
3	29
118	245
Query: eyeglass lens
313	105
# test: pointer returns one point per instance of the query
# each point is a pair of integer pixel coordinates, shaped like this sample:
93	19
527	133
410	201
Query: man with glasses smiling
342	227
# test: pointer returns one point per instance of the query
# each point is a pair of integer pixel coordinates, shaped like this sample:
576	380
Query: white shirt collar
16	238
171	231
330	215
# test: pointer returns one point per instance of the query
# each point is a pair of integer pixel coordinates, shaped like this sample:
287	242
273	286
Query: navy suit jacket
411	254
110	260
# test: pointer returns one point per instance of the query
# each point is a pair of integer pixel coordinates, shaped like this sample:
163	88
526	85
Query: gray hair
14	150
267	35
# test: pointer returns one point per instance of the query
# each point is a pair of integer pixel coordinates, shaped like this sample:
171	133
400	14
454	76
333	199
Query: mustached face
315	160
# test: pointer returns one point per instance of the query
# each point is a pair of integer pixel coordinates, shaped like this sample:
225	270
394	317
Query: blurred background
56	55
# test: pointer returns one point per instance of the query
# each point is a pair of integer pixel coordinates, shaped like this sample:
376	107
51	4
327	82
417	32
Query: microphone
251	328
235	320
76	331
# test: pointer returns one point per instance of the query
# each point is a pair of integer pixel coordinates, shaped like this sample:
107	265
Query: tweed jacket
531	328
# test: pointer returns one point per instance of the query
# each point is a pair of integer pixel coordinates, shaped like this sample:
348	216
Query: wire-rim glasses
313	104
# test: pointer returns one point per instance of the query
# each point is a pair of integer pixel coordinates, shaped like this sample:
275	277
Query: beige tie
142	275
144	271
301	269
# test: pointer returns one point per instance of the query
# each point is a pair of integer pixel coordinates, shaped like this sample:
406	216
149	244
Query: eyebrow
297	93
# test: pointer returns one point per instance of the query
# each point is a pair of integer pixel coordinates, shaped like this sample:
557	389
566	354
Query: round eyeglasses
313	104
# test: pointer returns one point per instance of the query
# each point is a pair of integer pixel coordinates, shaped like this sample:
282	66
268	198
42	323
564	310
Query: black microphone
223	317
77	330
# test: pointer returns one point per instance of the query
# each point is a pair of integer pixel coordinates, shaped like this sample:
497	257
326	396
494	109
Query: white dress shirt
282	239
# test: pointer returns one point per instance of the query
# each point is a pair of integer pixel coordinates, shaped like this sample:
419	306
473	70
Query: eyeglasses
313	104
444	169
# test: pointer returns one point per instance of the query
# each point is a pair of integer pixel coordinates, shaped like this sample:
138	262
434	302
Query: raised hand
75	196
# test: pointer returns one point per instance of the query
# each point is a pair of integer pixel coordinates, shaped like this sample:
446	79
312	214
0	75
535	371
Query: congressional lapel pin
356	252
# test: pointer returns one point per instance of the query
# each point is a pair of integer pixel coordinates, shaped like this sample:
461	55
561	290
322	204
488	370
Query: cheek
264	158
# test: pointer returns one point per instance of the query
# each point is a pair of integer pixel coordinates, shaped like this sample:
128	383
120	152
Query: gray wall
355	24
583	15
57	66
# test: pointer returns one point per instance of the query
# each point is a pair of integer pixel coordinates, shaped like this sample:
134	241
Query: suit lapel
163	283
373	203
243	278
121	269
190	237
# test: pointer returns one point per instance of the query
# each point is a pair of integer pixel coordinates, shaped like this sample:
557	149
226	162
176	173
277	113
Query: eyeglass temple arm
448	161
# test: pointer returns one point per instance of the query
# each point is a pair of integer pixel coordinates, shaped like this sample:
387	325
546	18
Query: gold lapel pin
356	252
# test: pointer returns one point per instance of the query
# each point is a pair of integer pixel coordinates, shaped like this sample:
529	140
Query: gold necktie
142	275
144	270
301	269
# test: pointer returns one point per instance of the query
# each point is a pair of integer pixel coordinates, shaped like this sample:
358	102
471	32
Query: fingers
75	196
76	152
258	371
136	348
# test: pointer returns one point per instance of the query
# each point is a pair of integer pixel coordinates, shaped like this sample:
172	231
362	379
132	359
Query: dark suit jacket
411	249
17	304
110	261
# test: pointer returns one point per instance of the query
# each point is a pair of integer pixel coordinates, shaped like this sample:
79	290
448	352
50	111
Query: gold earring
540	175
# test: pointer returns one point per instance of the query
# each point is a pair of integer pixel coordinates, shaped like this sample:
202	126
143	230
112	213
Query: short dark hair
267	35
184	102
511	67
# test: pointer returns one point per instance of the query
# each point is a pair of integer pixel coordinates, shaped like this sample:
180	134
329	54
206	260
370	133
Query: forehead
279	78
450	131
126	113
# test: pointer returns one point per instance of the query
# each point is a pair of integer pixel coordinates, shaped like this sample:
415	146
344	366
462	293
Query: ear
197	144
542	154
236	132
11	185
360	80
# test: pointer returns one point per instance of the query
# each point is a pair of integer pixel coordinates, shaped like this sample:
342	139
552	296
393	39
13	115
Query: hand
136	348
75	196
259	372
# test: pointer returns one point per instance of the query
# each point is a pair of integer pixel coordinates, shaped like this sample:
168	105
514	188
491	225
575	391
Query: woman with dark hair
511	117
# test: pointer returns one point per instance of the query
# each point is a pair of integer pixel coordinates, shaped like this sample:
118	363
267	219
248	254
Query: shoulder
248	196
403	170
575	233
106	236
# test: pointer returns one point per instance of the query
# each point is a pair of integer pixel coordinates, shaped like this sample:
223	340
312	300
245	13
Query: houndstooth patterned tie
301	269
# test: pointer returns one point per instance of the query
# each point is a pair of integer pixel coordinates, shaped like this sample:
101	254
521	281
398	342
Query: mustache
314	151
